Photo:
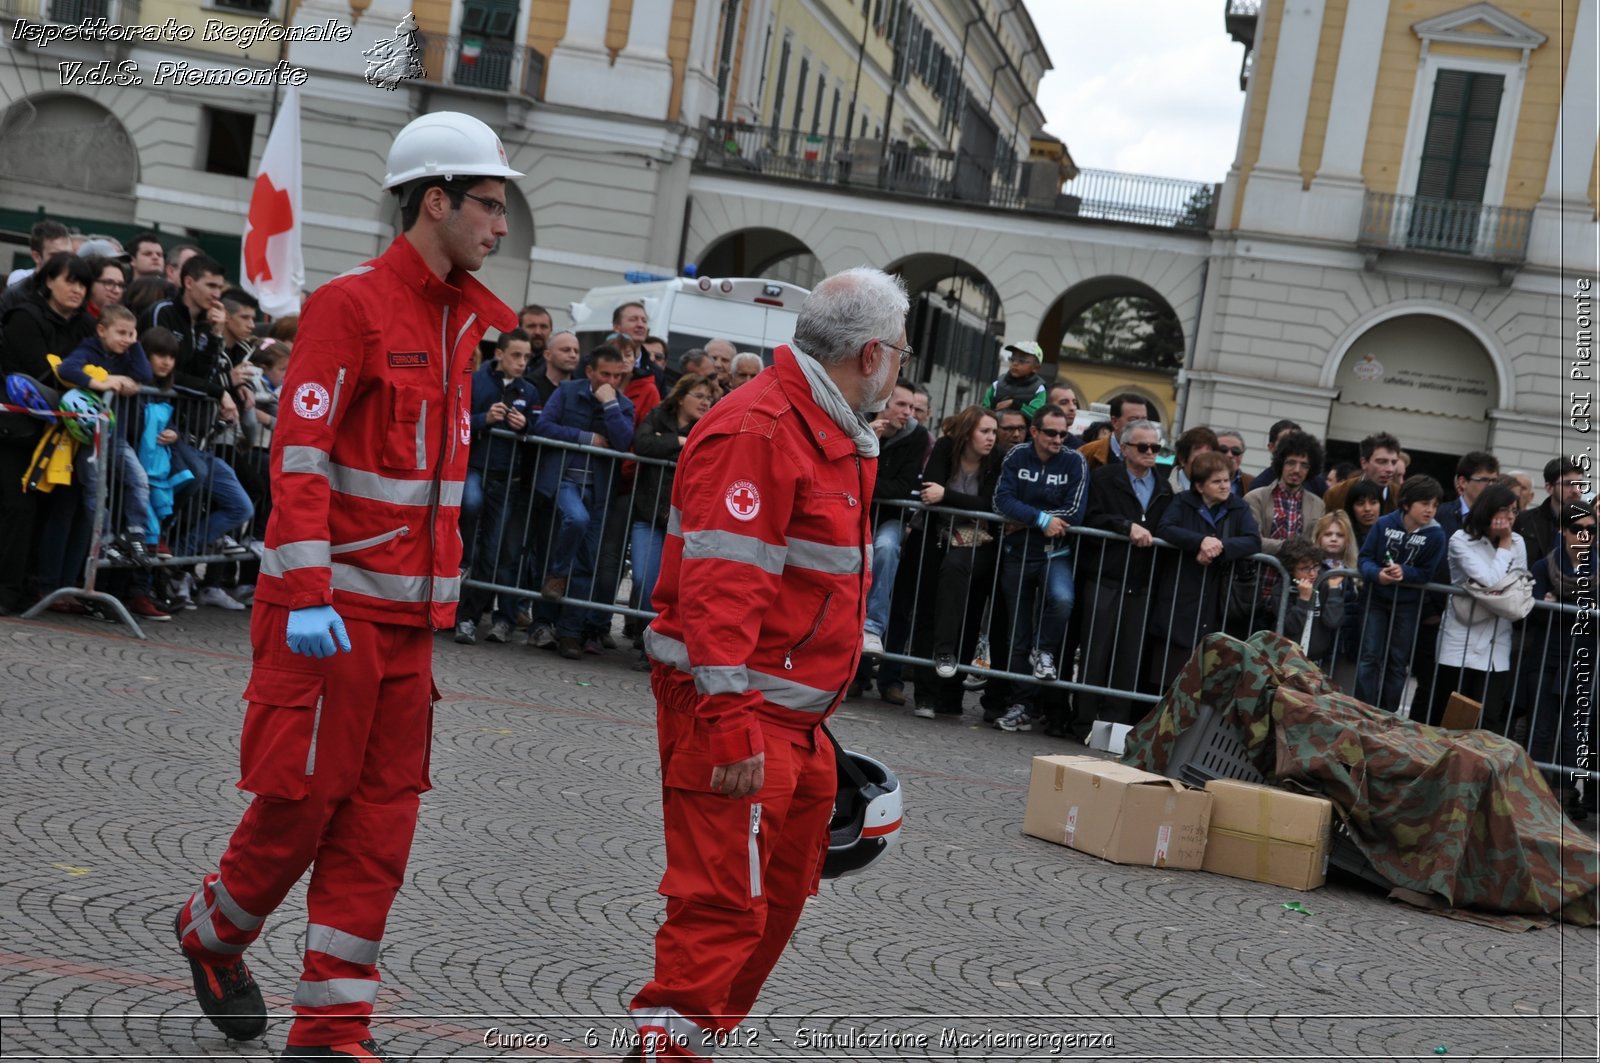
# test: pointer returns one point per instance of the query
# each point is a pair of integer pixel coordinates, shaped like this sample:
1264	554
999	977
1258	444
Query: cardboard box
1268	835
1116	812
1461	713
1108	737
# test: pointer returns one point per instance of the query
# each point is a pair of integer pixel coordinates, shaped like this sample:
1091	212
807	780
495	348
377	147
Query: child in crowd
1404	547
1316	613
112	361
1363	505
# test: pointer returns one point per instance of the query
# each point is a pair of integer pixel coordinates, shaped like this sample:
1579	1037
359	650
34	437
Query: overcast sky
1142	86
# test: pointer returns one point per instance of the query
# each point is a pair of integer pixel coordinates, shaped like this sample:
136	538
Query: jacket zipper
438	472
338	383
846	495
788	664
376	540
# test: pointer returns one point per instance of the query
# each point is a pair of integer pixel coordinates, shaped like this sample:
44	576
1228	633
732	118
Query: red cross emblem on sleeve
743	499
311	400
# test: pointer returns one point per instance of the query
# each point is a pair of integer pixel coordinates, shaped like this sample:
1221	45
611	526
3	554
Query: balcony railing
1445	226
71	12
481	63
954	176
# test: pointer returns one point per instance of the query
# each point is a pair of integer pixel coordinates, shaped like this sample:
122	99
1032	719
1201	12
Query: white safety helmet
446	145
866	814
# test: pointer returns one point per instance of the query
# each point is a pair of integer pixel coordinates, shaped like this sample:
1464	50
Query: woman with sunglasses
1552	688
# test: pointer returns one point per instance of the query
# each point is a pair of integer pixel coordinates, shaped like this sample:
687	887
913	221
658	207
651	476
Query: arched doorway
1114	335
72	151
955	326
768	253
1426	379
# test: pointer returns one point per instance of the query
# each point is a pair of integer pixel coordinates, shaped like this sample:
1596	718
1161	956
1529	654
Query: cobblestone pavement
531	893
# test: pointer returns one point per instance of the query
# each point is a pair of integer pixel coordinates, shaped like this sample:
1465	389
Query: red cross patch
465	428
743	499
311	401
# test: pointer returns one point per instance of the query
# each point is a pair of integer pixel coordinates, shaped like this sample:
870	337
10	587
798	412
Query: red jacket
370	450
763	585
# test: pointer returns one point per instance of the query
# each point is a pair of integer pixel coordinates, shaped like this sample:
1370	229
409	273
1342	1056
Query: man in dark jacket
1129	499
592	412
1043	487
904	444
501	399
560	361
1540	527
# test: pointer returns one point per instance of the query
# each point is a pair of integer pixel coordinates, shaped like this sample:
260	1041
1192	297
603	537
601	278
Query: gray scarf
826	394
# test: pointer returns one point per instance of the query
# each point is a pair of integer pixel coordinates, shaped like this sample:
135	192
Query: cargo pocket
278	749
405	441
426	782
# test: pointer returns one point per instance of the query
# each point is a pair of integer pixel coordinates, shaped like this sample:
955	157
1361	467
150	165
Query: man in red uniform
762	594
362	563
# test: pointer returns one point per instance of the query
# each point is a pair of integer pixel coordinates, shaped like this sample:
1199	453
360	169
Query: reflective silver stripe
713	544
312	460
333	991
393	587
720	679
450	492
422	437
307	553
682	1030
755	850
470	319
231	909
375	540
341	945
675	521
820	557
316	725
776	689
208	936
791	695
355	272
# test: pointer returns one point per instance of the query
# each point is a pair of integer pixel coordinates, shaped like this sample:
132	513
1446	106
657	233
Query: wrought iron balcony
71	12
956	177
1445	226
483	64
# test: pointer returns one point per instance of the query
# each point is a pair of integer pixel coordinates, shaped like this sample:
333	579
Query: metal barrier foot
110	603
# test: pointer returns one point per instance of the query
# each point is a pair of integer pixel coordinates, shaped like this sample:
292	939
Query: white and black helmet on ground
445	146
866	813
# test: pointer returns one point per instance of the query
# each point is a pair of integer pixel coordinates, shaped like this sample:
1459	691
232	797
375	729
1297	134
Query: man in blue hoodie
591	411
1405	546
501	399
1043	487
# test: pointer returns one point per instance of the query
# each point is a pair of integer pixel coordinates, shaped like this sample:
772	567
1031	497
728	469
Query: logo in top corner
311	400
395	59
743	500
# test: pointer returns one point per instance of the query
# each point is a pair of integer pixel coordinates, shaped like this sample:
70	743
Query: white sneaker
924	712
217	598
1015	719
871	642
1044	664
244	592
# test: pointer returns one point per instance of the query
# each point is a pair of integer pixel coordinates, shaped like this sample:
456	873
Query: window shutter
1460	138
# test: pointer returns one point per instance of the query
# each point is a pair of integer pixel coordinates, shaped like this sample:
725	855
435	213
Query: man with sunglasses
1044	488
362	563
1230	444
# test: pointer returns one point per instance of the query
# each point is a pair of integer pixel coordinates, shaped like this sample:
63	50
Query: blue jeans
575	552
1020	577
129	485
490	547
226	504
1386	640
648	539
885	562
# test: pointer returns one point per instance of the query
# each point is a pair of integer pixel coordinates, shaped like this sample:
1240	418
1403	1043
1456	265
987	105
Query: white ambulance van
756	315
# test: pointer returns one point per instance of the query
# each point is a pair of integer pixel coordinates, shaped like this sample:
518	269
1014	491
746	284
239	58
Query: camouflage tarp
1463	815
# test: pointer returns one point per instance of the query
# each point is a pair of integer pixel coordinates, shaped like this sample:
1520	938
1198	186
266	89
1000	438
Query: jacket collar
459	290
833	441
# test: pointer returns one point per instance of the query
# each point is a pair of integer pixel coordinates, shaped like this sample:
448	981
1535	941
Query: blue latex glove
313	629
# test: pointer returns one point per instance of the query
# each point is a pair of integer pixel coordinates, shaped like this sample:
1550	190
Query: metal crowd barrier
185	505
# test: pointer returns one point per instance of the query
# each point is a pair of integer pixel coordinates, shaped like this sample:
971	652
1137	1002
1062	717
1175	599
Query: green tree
1130	330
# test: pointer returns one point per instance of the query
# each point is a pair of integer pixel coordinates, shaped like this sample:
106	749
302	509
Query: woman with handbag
952	558
1475	634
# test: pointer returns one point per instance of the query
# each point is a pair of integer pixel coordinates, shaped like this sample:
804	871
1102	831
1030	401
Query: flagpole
283	53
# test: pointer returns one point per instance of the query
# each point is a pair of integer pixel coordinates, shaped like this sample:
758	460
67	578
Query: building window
229	136
800	91
1457	148
816	108
777	90
833	117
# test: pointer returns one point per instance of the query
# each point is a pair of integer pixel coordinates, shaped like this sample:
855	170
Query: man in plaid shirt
1285	509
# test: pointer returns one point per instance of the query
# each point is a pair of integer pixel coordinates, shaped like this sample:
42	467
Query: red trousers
739	871
336	752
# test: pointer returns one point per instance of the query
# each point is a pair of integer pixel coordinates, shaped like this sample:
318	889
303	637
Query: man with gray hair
722	352
746	365
761	595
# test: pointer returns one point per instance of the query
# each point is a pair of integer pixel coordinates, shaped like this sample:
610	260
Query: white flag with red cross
271	266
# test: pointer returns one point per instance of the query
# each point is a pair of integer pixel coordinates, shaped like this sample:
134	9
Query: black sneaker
227	994
367	1051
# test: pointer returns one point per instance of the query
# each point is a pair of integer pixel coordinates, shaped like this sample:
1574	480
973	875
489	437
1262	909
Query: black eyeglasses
1581	529
495	207
905	352
1053	433
1143	448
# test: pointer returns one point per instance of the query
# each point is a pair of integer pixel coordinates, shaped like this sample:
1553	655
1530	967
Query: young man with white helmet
362	563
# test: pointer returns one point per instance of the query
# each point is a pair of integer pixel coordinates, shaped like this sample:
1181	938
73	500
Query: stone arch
63	143
761	252
956	324
1505	397
1085	294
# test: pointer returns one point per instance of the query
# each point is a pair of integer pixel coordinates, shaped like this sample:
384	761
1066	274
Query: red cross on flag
271	267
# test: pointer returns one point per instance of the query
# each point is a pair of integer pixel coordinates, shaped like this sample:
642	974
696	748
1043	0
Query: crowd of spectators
1003	540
